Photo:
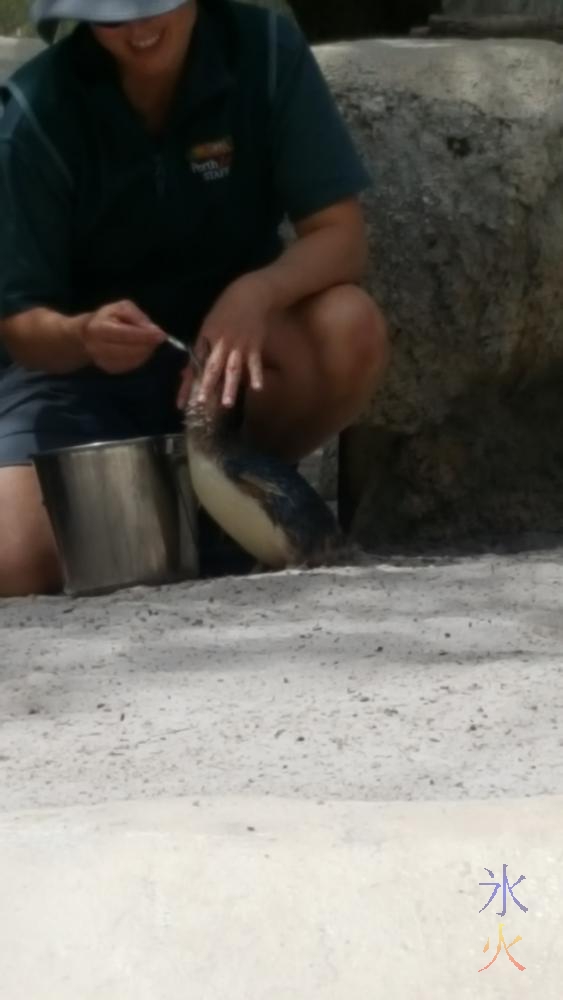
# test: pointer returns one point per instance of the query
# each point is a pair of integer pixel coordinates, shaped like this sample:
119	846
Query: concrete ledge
248	899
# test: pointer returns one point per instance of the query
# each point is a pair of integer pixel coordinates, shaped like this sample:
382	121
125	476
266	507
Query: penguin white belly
239	514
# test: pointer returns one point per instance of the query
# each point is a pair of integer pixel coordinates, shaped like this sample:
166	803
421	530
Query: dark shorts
39	412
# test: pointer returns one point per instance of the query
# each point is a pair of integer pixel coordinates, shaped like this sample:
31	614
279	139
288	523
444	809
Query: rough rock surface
487	8
488	477
465	141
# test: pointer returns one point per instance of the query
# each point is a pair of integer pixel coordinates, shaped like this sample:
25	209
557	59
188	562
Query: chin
151	63
147	67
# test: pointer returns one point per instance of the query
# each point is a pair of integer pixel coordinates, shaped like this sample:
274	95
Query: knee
353	336
28	573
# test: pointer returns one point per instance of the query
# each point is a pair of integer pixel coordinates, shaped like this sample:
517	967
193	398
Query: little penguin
261	502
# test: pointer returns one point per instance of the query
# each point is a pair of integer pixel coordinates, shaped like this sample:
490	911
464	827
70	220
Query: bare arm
117	338
45	340
331	249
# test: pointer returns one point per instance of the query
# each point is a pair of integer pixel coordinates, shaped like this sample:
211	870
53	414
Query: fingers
124	325
120	337
202	351
212	372
114	359
229	364
128	312
255	370
185	388
124	335
233	372
193	371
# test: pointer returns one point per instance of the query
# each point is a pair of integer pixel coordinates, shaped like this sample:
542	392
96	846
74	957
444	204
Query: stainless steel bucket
123	513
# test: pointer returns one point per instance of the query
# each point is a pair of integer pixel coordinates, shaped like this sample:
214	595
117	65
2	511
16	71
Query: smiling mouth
146	44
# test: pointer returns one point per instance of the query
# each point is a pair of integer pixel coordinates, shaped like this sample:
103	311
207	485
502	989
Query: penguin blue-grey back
262	503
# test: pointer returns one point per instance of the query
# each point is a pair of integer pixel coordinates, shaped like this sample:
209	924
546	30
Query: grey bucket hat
46	14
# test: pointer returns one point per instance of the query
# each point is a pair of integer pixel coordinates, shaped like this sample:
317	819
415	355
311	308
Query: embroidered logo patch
212	160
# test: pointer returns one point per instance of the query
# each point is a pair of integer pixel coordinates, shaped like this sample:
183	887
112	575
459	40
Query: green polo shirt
93	208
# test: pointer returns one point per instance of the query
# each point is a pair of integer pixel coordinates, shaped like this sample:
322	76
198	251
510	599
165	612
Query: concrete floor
434	681
199	784
255	899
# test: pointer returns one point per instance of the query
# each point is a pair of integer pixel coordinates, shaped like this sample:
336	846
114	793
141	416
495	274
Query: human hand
231	339
119	337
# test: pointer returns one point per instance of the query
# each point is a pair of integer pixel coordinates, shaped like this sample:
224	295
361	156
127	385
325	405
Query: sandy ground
390	681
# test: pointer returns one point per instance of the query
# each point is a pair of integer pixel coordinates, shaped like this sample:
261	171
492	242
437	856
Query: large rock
465	141
487	8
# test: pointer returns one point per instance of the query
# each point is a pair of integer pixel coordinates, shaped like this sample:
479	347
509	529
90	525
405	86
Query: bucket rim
98	446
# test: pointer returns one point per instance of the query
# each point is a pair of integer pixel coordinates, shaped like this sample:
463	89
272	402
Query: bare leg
28	555
323	362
